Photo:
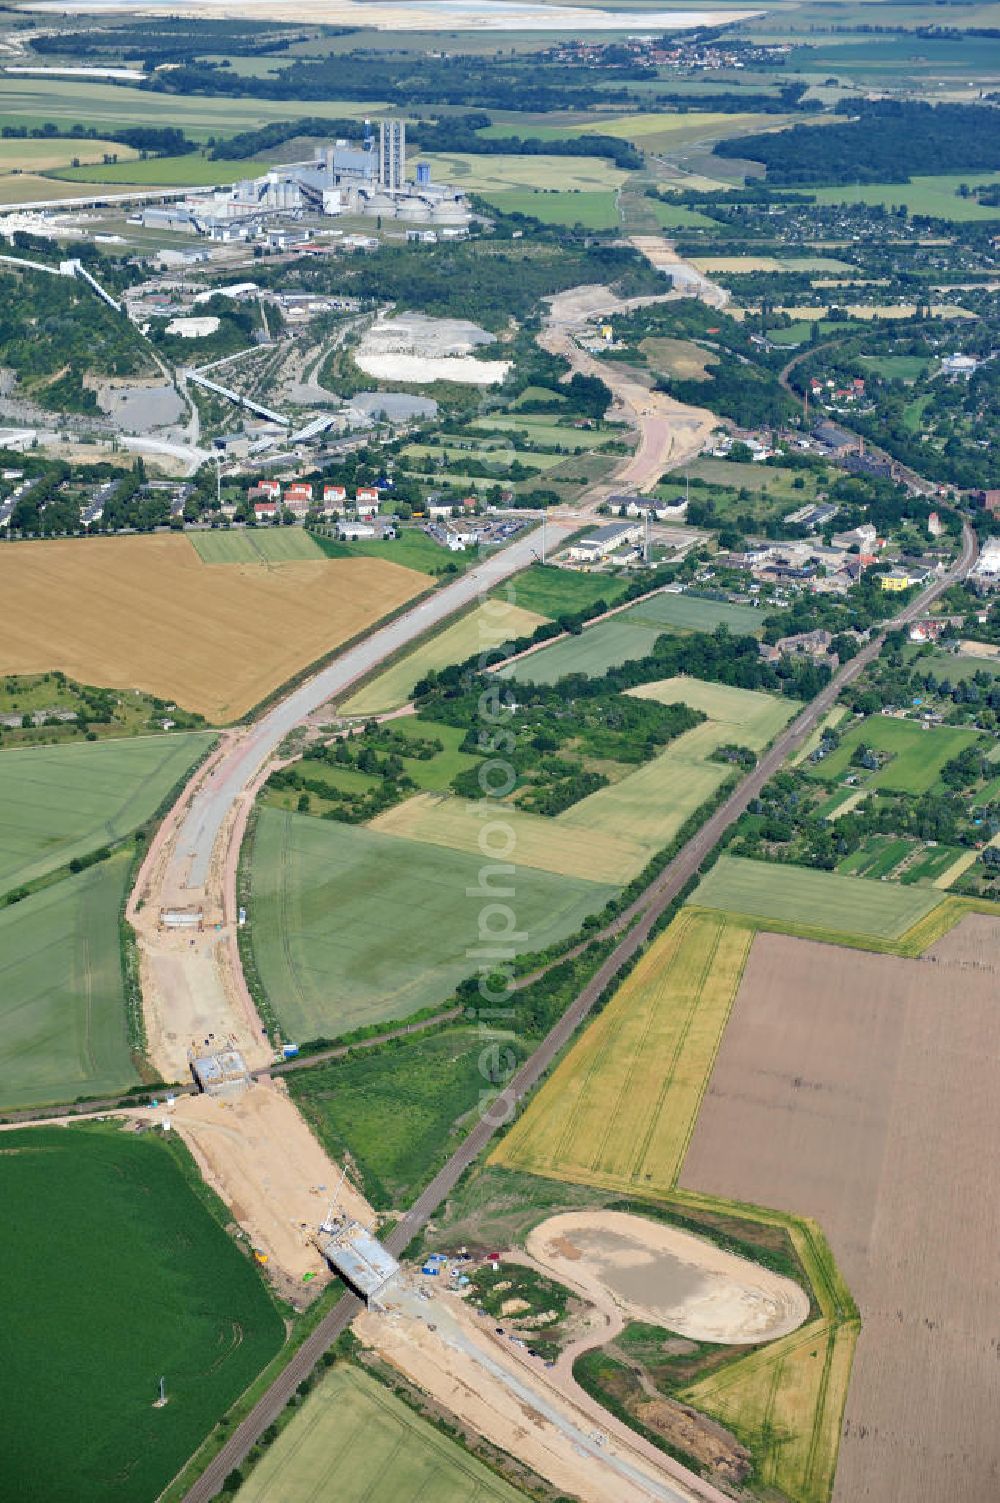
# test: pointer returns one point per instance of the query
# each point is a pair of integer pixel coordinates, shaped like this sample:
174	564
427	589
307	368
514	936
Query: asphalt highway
212	803
647	909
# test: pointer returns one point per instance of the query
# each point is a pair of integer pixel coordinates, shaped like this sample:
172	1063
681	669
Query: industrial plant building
366	177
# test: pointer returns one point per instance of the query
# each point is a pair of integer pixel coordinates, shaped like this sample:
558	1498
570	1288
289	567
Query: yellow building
895	580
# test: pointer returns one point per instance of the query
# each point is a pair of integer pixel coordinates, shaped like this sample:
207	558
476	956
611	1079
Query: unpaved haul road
198	835
670	432
650	905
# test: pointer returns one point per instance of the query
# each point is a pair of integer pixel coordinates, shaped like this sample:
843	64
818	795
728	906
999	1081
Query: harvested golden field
806	312
619	1110
864	1091
612	834
551	845
146	613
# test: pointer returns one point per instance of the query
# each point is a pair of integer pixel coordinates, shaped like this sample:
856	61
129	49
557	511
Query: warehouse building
604	541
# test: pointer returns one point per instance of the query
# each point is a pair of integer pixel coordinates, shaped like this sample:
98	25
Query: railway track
646	911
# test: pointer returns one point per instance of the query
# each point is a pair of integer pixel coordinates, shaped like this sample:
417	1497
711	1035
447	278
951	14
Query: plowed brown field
864	1091
146	613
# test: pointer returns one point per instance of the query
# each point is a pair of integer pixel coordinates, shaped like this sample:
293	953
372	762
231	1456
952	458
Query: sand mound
656	1273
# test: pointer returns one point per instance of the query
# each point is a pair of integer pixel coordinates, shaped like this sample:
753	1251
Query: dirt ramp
652	1272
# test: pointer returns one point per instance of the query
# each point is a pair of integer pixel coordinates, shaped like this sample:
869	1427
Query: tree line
887	141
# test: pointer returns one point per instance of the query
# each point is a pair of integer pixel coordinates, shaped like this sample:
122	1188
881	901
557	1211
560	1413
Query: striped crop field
355	1441
62	1003
57	802
350	926
815	904
613	833
255	545
619	1110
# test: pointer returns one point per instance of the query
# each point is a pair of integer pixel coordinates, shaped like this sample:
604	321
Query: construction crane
328	1224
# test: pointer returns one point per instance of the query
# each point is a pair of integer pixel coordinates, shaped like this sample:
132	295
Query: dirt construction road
510	1398
670	432
650	906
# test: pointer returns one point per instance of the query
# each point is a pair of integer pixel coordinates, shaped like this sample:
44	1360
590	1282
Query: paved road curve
213	801
650	906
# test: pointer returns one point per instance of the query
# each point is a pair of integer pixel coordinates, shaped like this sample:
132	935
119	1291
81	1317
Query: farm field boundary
322	892
352	1428
61	802
487	625
126	604
618	1114
141	1220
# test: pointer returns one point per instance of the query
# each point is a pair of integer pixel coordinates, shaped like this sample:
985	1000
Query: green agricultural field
779	482
412	548
876	858
932	863
612	834
797	899
351	926
107	107
124	1275
954	666
256	545
895	367
936	196
497	174
916	753
62	1004
58	802
487	626
399	1110
436	774
544	431
695	613
745	716
595	210
555	592
355	1442
192	170
654	132
676	217
497	454
629	636
592	651
535	394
